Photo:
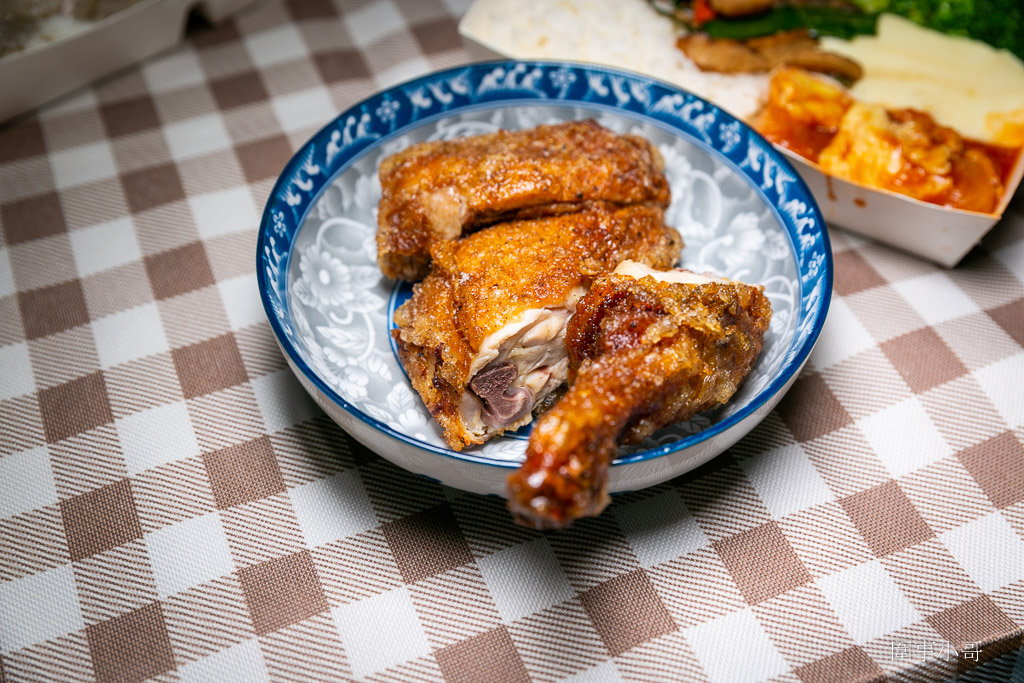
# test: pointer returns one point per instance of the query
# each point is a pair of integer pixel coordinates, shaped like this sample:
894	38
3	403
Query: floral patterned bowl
742	209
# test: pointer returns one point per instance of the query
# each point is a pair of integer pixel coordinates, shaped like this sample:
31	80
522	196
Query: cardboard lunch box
35	76
936	233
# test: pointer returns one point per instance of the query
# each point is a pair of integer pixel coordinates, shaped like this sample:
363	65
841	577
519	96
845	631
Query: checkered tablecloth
173	506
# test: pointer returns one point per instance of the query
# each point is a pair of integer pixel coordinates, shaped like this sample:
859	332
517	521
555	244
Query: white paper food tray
39	74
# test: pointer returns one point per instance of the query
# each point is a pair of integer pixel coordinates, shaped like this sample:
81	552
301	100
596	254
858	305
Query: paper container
937	233
35	76
933	232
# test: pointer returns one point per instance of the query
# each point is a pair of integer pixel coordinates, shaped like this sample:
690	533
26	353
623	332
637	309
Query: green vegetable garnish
1000	23
828	21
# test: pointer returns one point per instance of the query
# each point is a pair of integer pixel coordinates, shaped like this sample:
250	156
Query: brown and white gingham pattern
172	506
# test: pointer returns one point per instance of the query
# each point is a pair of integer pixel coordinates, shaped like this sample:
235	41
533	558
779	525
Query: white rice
628	34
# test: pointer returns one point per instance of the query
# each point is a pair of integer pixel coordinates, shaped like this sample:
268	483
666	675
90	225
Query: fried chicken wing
482	337
436	191
646	349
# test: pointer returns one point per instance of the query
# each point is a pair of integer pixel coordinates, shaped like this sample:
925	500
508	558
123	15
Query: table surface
173	506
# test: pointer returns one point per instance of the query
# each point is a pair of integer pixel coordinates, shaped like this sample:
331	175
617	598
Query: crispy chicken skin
436	191
643	353
482	337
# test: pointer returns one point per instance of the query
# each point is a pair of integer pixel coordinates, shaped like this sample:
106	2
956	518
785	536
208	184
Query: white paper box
39	74
937	233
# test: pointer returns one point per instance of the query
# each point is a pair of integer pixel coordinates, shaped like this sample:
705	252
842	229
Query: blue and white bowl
741	208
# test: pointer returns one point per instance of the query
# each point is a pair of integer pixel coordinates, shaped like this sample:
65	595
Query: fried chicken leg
646	349
482	338
436	191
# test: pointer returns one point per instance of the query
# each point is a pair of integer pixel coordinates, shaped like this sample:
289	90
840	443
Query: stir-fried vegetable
822	19
999	23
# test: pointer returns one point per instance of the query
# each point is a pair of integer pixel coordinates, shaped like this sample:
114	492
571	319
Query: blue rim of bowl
530	82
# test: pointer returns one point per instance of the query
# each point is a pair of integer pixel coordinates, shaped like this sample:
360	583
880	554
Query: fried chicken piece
646	349
482	338
437	191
